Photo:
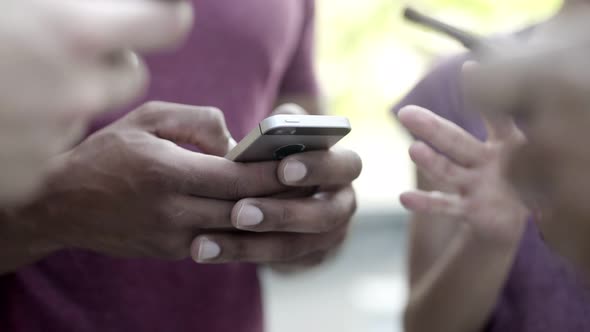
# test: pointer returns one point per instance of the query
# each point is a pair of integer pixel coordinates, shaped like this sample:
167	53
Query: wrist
30	230
500	244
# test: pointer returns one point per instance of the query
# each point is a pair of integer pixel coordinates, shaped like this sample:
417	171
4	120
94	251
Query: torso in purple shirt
240	56
542	292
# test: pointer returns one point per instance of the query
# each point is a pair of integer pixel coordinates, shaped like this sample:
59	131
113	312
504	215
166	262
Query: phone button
291	121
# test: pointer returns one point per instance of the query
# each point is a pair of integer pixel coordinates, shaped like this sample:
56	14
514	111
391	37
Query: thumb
202	127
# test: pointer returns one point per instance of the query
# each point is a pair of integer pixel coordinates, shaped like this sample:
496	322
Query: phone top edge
304	121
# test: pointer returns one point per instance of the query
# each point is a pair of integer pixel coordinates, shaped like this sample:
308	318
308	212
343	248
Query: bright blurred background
368	59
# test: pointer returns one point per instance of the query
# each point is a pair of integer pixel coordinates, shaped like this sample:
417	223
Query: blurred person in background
105	246
477	260
546	87
60	64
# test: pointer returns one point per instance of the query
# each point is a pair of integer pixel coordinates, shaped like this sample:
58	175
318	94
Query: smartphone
279	136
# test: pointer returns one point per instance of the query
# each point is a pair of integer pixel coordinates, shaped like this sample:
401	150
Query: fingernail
294	171
249	216
207	250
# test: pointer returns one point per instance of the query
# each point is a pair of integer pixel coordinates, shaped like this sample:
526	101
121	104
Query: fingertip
408	110
292	171
246	215
203	249
415	118
356	165
407	200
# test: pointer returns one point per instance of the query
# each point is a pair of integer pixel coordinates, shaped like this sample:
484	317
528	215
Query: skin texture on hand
546	87
62	62
129	190
466	215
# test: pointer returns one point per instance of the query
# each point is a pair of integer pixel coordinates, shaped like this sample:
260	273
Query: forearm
461	289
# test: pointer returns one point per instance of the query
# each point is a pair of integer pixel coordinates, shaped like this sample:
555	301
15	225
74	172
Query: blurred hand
61	62
476	193
294	230
546	87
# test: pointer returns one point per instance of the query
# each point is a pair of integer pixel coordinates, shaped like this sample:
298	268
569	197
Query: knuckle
286	218
153	106
216	123
235	188
149	114
214	117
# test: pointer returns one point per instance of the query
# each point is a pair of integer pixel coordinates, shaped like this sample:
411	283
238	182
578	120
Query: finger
196	213
214	177
289	109
103	26
437	167
432	203
320	168
443	135
262	248
203	127
320	213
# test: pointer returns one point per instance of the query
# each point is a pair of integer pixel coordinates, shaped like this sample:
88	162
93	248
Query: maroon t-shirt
542	292
239	58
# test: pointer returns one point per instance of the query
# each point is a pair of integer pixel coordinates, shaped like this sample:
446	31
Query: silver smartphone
280	136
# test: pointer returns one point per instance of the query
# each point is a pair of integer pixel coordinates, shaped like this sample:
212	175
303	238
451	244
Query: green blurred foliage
369	56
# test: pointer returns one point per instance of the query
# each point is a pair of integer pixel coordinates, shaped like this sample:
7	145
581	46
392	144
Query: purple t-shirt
239	58
542	292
